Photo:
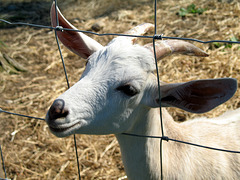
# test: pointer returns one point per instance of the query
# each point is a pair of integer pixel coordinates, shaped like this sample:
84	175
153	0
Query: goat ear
197	96
77	42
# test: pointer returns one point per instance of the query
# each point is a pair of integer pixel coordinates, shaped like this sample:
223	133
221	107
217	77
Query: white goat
118	93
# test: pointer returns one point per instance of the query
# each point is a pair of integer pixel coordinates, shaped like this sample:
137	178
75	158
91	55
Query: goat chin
118	93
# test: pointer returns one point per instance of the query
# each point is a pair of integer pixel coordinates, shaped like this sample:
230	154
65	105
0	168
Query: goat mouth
59	129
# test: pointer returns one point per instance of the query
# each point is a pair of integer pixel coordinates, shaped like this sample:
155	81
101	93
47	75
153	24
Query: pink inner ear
77	42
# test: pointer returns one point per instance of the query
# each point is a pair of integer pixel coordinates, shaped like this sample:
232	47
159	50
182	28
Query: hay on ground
30	150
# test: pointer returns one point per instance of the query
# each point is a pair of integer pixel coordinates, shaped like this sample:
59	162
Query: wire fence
2	165
153	37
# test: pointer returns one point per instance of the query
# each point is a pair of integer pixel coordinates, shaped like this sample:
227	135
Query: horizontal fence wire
165	138
16	114
155	36
59	28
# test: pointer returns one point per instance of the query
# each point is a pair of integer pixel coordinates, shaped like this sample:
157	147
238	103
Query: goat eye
128	90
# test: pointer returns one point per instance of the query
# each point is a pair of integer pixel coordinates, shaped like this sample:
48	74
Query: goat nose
58	110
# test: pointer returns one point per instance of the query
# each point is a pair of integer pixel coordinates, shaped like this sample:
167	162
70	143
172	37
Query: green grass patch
191	9
226	45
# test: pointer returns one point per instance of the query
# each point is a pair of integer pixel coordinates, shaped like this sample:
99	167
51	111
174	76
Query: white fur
96	107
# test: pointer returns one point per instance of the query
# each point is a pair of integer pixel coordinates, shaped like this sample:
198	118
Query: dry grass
30	150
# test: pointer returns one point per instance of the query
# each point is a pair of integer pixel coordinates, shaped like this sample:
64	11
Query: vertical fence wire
68	85
59	28
159	90
3	164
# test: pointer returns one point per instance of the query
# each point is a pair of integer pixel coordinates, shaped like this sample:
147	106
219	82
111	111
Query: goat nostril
58	109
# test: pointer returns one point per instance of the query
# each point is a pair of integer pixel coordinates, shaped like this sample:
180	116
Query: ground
29	149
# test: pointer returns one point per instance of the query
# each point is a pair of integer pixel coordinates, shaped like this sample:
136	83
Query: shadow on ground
36	12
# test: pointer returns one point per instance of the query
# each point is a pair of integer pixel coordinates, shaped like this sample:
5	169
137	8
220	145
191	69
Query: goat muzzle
58	110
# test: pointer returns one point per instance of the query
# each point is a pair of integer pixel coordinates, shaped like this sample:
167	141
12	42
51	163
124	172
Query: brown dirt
30	150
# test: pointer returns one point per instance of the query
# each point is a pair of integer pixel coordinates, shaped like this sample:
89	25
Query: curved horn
165	48
138	30
77	42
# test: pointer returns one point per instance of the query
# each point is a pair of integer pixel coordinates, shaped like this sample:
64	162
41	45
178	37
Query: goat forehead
120	55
